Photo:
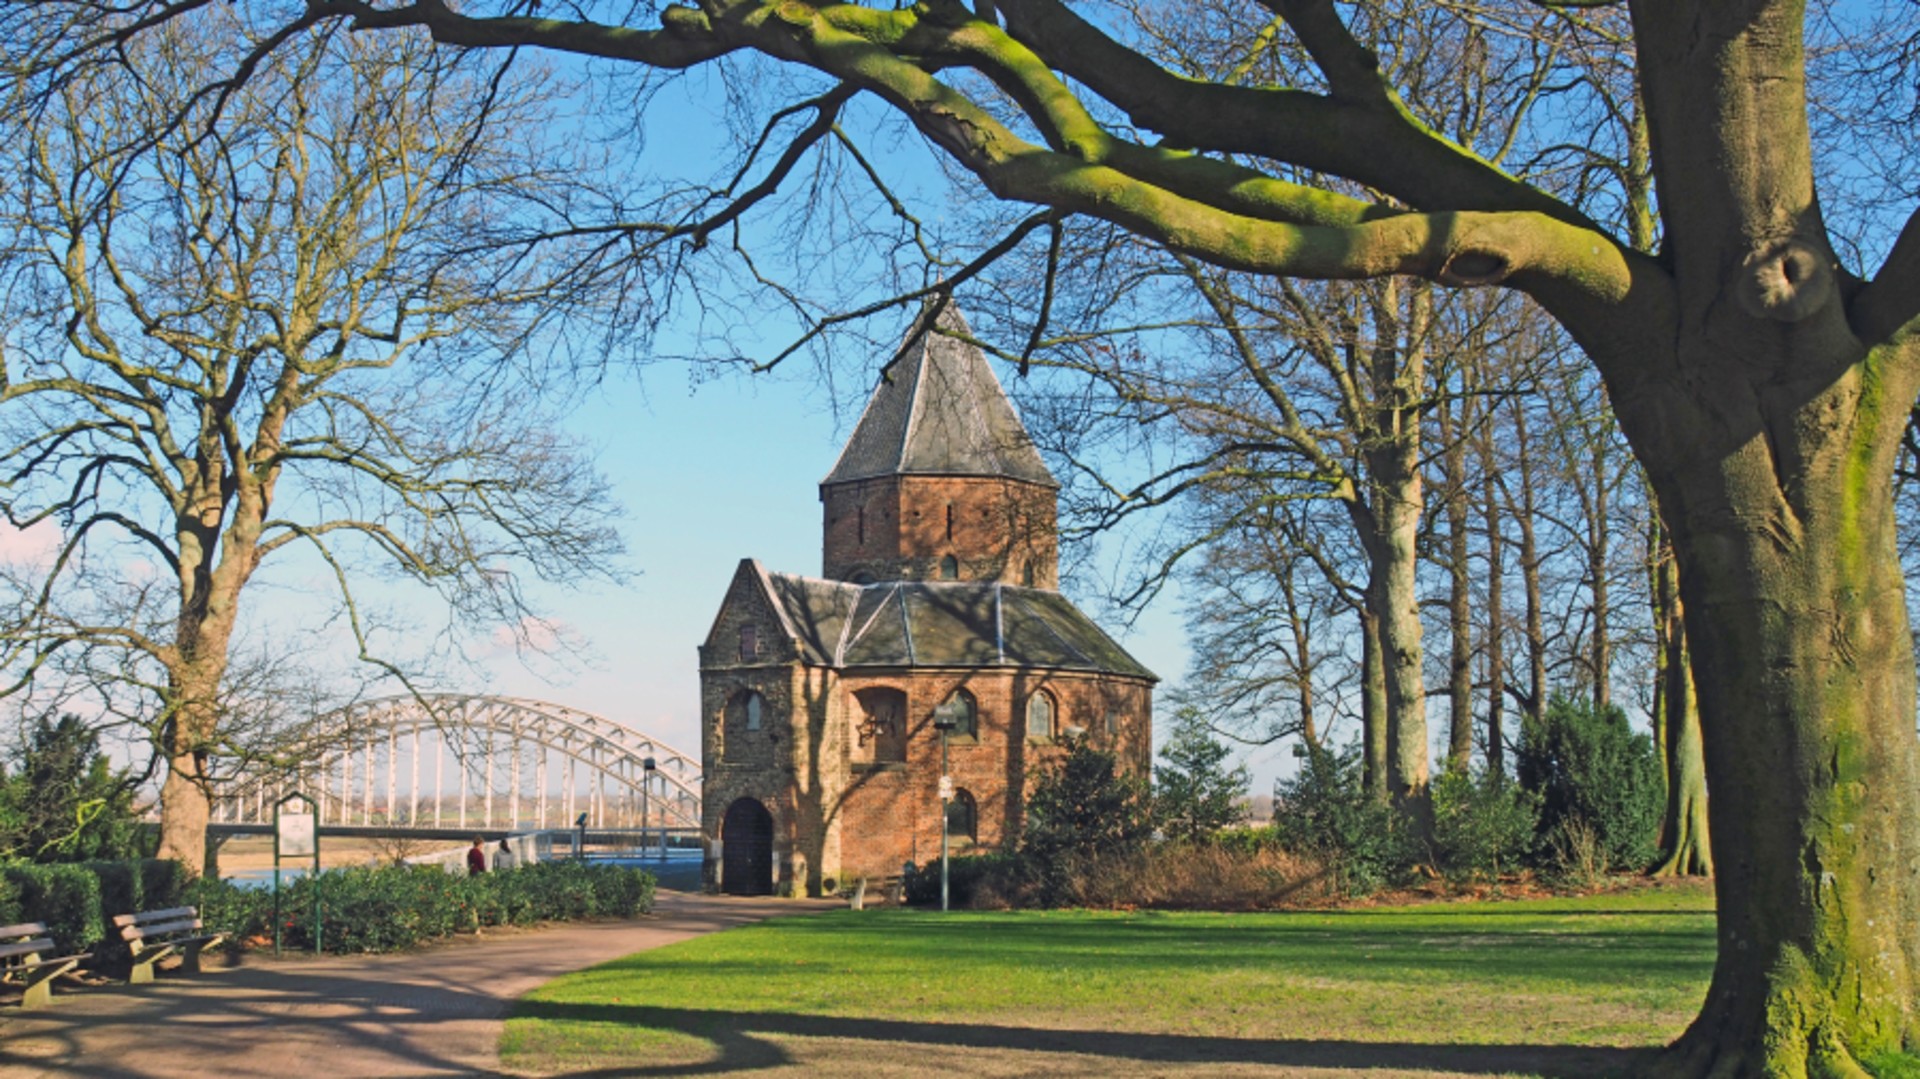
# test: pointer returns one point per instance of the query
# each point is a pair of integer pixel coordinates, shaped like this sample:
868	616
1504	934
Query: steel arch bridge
437	761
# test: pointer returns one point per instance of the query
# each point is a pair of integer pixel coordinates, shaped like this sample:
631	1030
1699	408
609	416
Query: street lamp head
648	764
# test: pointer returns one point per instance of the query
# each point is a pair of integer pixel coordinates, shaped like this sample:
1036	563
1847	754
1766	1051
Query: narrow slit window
949	520
749	643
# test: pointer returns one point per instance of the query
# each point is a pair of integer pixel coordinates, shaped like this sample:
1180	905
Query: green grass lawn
1559	987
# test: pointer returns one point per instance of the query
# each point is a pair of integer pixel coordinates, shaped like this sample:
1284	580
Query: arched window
880	726
963	714
1040	717
745	713
863	578
949	568
963	817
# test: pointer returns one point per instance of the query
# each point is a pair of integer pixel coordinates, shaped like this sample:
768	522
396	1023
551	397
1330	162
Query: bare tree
292	332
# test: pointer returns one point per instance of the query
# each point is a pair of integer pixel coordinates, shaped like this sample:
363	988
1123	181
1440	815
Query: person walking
476	859
503	857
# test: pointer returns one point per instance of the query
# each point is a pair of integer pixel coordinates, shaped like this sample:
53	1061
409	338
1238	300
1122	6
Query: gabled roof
942	624
940	411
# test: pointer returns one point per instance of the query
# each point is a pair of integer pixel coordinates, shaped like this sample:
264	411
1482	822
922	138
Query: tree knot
1786	280
1469	269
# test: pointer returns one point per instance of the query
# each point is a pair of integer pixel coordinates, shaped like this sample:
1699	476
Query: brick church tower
939	595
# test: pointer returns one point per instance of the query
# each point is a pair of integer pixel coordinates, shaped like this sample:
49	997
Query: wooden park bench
156	934
27	952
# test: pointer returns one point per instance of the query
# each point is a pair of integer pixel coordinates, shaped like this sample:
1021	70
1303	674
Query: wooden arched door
746	839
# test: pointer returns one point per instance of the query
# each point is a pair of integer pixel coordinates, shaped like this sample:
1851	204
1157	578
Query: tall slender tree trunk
1524	516
1496	651
1373	705
1302	660
1397	371
1684	832
1460	591
1599	535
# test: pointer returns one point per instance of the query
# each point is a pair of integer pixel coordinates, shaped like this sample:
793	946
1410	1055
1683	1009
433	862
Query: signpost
296	836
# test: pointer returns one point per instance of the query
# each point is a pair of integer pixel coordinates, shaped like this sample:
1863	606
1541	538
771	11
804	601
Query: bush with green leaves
1325	811
1195	794
1483	825
1082	811
61	800
1593	772
389	908
967	877
65	897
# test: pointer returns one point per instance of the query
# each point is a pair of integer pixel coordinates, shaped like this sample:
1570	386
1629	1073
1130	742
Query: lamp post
646	782
944	722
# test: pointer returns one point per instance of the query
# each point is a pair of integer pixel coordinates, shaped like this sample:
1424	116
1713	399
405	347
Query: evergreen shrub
1325	812
1483	825
1082	812
1592	772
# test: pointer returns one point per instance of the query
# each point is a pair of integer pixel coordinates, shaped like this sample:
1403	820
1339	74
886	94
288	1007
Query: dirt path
434	1012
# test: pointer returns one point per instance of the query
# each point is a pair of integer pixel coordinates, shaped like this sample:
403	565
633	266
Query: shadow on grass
744	1041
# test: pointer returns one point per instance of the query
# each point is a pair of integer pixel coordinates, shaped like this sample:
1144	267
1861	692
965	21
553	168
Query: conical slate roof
940	412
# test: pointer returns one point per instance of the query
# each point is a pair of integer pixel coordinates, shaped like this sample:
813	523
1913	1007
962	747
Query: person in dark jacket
476	859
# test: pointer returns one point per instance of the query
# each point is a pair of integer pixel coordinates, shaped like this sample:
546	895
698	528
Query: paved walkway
434	1012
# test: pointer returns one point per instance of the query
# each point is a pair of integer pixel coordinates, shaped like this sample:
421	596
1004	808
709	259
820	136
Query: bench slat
143	932
69	959
171	913
44	944
24	929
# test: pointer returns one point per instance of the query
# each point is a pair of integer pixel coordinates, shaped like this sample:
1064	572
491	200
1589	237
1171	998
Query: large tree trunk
185	812
185	802
1806	685
1769	435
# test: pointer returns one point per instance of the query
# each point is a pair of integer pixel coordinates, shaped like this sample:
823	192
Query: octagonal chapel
938	594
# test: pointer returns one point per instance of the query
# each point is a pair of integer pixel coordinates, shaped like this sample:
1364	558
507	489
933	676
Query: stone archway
746	838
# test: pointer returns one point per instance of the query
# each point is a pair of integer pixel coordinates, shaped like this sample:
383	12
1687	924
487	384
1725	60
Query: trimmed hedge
391	908
66	897
78	900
